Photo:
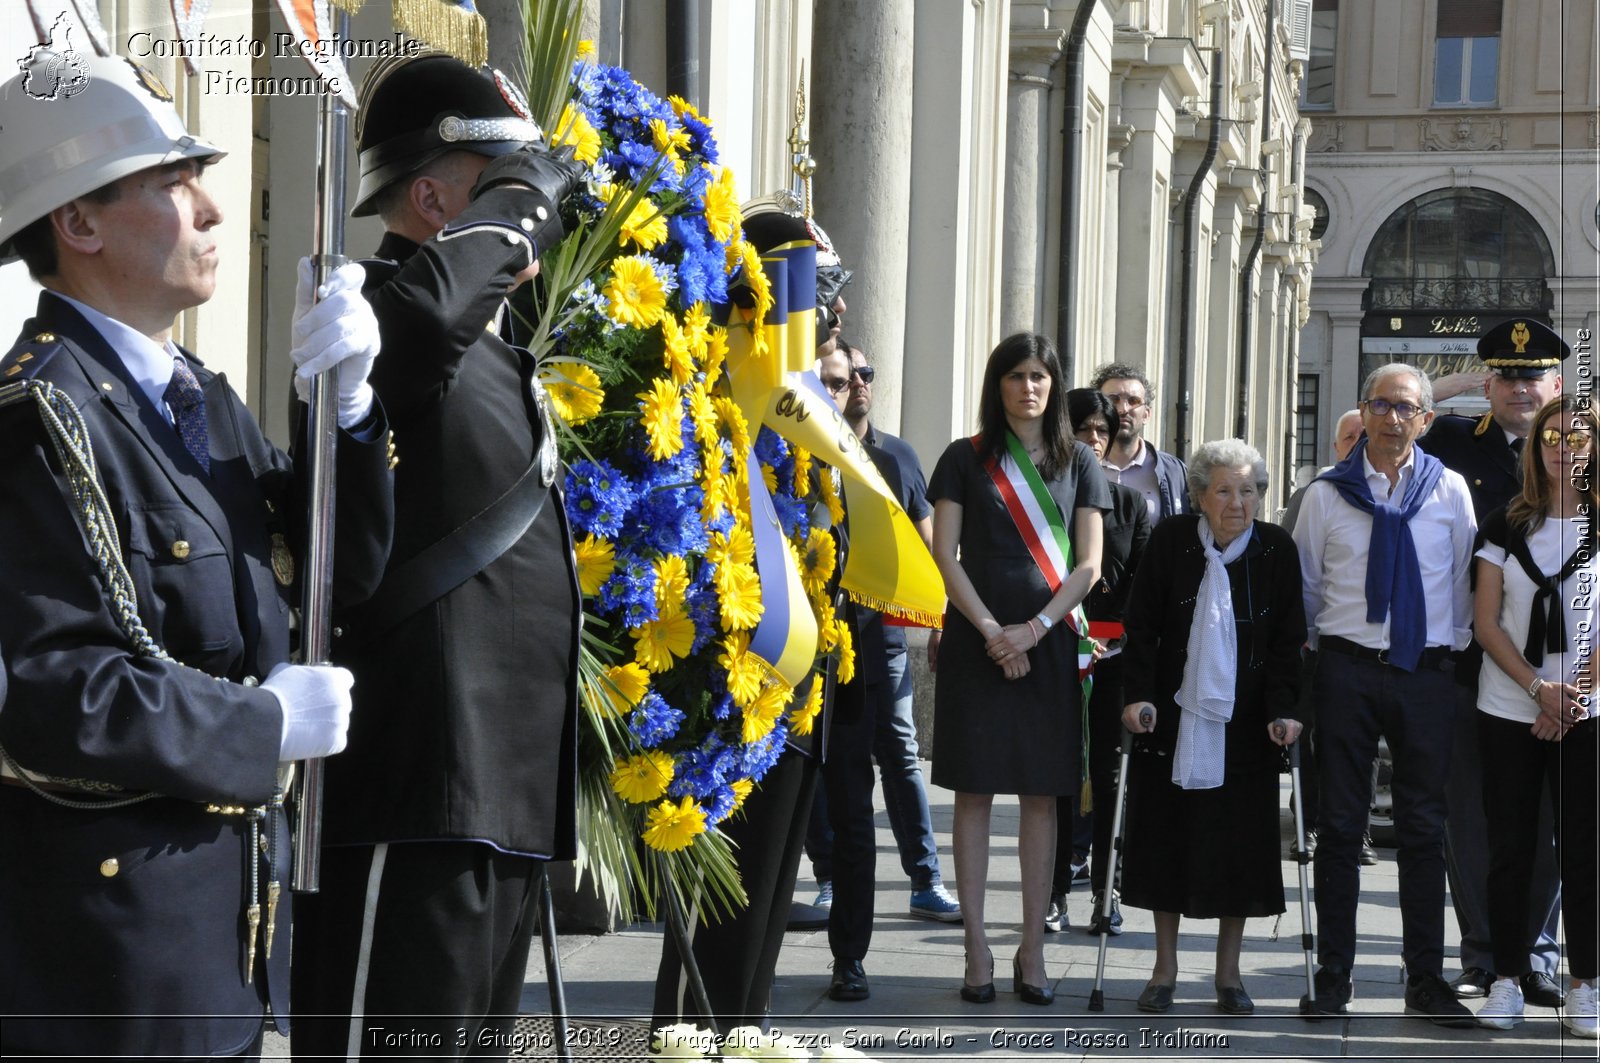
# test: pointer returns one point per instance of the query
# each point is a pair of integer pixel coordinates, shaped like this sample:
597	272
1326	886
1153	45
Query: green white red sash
1043	528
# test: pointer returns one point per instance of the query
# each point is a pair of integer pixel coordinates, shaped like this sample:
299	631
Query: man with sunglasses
1524	359
842	838
1385	541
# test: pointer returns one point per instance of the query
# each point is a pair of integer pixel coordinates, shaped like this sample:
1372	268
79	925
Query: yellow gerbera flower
761	715
733	420
756	277
716	353
597	558
667	140
817	561
658	642
804	714
586	49
737	547
634	294
575	129
722	214
675	351
745	674
681	107
802	472
662	418
670	827
830	496
642	778
741	789
645	225
847	651
672	583
704	415
739	592
574	390
827	632
696	328
769	476
718	493
623	686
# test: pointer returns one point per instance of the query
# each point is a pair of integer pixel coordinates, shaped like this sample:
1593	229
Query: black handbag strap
449	562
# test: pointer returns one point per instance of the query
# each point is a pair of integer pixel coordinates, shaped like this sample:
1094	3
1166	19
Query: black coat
161	930
466	710
1271	628
1477	449
1126	531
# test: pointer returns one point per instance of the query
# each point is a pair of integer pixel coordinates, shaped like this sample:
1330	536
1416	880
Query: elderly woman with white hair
1211	666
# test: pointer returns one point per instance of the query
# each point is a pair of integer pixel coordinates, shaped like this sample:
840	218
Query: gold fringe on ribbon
352	6
916	616
443	25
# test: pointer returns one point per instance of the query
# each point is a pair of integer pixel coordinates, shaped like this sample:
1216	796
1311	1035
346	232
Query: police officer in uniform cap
145	597
460	783
1524	358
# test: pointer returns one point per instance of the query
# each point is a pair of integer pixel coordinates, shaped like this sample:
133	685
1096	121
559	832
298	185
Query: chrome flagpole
316	618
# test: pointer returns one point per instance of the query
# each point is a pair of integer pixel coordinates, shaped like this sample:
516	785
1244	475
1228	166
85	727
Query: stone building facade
1452	163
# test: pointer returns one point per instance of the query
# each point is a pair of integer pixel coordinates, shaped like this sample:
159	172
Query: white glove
316	708
338	330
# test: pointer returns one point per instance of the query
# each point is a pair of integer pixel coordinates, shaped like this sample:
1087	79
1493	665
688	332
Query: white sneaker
1578	1014
1503	1008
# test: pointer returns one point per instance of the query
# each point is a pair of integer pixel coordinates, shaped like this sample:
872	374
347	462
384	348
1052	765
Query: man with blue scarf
1385	540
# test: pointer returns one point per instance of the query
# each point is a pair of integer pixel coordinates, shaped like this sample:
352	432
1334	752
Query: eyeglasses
865	372
1130	401
1577	439
1381	408
836	386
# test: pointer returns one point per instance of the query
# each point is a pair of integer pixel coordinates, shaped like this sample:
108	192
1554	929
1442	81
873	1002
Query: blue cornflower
630	591
598	497
653	721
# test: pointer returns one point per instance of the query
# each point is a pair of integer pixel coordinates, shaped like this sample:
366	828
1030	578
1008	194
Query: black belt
1432	658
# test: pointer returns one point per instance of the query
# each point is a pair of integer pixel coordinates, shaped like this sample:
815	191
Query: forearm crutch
1097	996
1302	858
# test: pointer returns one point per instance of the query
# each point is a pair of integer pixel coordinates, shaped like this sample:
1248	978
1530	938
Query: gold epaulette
1483	424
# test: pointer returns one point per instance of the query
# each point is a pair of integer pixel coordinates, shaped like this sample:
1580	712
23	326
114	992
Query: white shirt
1499	694
148	362
1333	536
1139	474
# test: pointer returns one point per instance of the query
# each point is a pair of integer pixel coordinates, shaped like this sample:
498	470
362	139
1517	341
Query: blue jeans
905	797
1357	700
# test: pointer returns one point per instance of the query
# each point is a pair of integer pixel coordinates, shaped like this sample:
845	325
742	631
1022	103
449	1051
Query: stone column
1031	179
861	115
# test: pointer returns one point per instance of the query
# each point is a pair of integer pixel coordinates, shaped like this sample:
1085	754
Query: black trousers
848	780
1105	753
1358	700
413	949
738	955
1522	770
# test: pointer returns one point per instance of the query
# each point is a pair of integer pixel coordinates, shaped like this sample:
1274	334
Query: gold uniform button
45	337
109	868
106	386
180	549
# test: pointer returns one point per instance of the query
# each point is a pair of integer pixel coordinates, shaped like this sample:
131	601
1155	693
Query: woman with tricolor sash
1016	534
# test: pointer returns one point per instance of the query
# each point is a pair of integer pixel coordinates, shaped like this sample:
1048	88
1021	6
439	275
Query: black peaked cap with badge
1522	348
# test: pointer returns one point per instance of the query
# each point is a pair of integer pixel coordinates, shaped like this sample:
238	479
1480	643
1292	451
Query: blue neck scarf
1394	577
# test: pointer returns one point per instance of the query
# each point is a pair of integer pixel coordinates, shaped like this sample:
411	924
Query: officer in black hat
1524	358
461	783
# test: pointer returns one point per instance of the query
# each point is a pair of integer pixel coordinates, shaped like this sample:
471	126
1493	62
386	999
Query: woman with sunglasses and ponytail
1535	617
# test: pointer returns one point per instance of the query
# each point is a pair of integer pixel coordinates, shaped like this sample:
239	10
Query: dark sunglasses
865	372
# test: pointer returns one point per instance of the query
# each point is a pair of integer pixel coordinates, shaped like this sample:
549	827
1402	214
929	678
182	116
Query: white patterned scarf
1206	696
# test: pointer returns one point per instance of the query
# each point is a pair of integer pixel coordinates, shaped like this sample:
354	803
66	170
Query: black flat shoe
1030	994
849	981
979	994
1233	1000
1155	998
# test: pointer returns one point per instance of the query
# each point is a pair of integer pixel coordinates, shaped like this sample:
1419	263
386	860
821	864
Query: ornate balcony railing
1458	293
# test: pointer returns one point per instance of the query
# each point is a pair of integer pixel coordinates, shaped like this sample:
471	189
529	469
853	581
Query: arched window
1459	249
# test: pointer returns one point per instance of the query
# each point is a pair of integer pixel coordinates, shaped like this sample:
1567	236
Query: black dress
1210	853
993	735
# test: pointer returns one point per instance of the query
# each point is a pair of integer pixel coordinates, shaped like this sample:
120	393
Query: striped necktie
188	405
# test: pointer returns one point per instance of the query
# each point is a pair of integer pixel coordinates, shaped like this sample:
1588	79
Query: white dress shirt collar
148	362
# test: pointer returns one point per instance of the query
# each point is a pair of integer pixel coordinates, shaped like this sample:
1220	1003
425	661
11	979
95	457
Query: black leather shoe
1368	855
1311	844
1030	994
1334	993
1233	1000
849	981
1428	997
1541	990
1473	982
1155	998
807	917
979	994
